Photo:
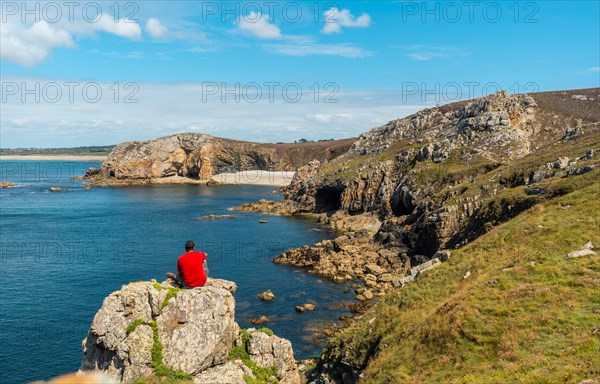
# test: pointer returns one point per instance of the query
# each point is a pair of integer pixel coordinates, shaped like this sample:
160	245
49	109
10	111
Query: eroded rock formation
199	157
148	329
440	178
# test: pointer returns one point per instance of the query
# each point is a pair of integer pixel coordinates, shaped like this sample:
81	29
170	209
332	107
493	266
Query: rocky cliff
517	305
150	330
440	178
199	157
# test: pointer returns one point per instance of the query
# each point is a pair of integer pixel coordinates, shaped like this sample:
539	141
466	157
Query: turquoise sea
62	253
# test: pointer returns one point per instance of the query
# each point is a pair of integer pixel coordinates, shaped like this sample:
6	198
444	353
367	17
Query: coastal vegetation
261	375
163	374
526	313
171	292
72	151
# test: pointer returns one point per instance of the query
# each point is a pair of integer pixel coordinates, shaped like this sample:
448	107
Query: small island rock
266	296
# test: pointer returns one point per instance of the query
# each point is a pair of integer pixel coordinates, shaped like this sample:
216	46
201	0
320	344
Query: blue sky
377	60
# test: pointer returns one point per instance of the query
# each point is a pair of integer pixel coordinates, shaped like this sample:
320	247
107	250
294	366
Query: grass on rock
171	293
526	314
162	372
261	375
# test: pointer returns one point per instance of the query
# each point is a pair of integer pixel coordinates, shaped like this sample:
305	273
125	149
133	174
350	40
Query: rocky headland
148	331
196	158
414	189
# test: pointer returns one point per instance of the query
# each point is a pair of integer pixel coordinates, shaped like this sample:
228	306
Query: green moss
137	322
261	375
267	331
245	336
171	293
163	373
160	380
160	368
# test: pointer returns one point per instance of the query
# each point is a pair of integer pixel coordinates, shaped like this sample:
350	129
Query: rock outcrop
190	156
147	329
440	178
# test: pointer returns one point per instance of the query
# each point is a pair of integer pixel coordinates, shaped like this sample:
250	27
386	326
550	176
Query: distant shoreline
55	157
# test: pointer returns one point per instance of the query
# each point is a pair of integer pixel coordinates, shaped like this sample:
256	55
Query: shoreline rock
135	318
7	184
217	217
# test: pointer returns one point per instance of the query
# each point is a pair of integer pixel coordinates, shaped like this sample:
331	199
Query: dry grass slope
526	314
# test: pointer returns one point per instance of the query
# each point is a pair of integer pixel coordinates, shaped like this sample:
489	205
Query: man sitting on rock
192	270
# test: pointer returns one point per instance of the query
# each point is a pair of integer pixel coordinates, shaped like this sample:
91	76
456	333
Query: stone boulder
272	351
232	372
305	174
194	328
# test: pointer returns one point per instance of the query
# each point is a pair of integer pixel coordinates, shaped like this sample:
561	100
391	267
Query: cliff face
442	177
499	309
199	156
148	330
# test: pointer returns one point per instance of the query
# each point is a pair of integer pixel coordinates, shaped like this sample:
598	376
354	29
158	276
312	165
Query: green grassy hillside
526	313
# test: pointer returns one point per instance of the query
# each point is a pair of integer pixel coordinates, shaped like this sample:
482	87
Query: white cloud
258	25
31	46
335	19
593	69
155	29
331	117
126	28
318	49
424	56
165	109
426	53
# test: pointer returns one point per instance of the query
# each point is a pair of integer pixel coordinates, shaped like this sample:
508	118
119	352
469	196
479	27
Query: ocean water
62	253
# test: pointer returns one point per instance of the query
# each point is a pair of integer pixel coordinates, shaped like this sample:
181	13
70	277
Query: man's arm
205	266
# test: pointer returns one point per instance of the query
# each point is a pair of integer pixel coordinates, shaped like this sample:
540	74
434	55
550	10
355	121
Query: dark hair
189	245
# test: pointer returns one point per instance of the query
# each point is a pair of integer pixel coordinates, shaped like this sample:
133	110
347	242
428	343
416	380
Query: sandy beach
54	157
255	177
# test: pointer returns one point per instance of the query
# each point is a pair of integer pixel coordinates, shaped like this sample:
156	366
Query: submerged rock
260	320
266	295
215	217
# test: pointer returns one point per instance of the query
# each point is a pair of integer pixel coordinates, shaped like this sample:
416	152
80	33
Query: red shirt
189	266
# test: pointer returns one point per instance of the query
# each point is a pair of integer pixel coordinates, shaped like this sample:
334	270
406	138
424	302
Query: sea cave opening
328	199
